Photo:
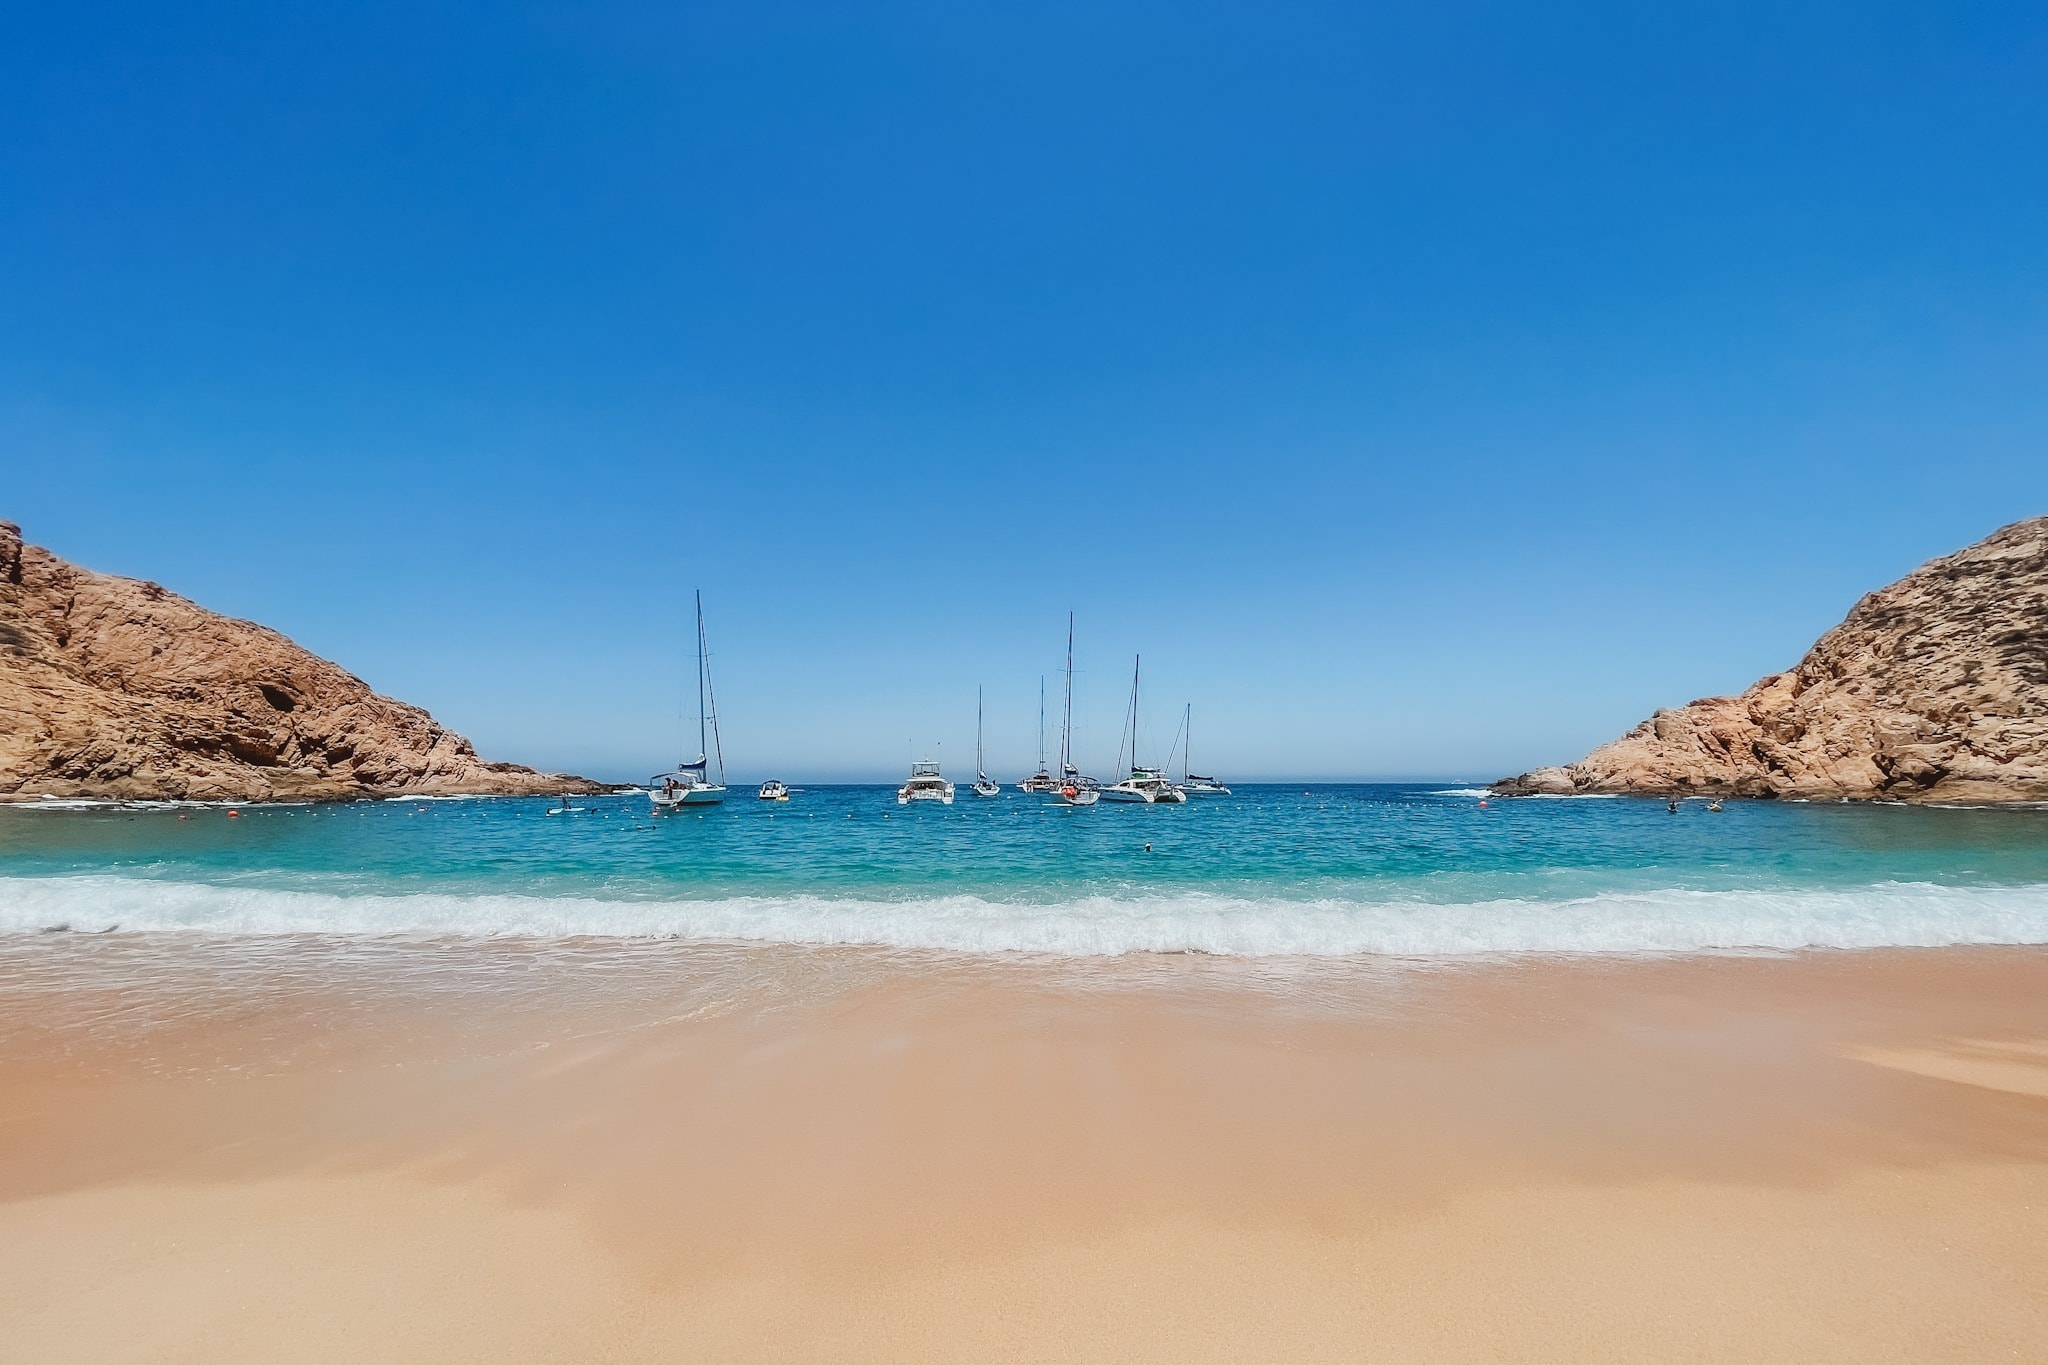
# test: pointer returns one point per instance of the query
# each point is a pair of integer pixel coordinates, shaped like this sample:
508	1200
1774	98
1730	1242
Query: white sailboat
926	783
984	785
1194	784
1042	781
690	784
1145	786
1074	789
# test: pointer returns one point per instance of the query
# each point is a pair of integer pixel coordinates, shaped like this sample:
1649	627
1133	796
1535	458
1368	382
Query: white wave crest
1891	914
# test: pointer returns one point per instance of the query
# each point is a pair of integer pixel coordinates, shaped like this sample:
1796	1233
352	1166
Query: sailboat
984	785
1194	784
1145	786
1074	789
1041	781
690	784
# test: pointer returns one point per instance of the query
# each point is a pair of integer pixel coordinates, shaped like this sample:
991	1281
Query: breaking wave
1890	914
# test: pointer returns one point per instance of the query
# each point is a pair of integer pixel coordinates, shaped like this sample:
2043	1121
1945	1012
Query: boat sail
690	784
1074	789
1042	780
1145	786
984	785
1194	784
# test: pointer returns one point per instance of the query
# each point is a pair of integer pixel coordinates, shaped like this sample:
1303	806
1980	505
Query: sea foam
1891	914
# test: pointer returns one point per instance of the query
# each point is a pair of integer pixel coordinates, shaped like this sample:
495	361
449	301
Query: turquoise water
1273	870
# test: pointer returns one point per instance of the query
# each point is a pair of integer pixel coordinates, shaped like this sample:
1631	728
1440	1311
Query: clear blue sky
1426	389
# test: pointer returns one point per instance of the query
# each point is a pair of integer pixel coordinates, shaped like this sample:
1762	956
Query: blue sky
1426	390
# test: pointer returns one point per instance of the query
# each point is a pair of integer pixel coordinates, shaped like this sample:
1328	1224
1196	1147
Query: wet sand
323	1150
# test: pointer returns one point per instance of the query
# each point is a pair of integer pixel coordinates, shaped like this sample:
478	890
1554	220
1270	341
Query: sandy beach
318	1150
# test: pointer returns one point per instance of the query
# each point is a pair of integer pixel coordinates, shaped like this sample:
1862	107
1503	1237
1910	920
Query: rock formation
1933	689
114	688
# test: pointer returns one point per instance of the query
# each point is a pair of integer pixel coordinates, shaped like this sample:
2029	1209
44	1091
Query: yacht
1145	786
1073	789
984	785
771	790
1194	784
1042	782
926	784
690	784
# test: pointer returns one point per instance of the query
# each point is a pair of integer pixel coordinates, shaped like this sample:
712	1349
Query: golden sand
661	1153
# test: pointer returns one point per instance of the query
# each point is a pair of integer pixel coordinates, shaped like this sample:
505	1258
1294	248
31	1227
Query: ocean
1316	871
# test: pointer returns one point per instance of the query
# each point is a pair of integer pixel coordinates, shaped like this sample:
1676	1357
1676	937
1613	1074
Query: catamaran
926	784
1042	781
1074	789
1194	784
690	784
984	785
1145	786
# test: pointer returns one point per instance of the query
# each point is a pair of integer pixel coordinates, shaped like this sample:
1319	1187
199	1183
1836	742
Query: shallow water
1319	871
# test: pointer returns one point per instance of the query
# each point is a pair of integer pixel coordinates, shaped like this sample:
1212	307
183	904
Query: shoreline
524	1151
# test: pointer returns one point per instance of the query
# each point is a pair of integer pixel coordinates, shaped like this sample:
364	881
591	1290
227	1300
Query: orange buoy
234	815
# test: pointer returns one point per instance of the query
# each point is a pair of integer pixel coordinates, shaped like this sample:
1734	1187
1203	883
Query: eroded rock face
1933	689
114	688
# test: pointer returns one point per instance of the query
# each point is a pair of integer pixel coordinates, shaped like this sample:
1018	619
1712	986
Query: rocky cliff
1933	689
114	688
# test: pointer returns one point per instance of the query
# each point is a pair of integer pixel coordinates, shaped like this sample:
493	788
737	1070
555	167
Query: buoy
234	815
1482	804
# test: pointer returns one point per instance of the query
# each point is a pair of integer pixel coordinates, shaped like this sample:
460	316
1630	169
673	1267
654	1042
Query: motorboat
690	784
771	790
1145	786
926	783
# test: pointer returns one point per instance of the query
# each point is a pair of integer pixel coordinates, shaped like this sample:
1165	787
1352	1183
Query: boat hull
691	796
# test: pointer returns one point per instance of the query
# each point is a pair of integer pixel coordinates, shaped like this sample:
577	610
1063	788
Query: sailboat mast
1187	726
703	749
1067	707
1041	722
1134	711
978	765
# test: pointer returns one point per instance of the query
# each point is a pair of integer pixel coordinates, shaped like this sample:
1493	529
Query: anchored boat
984	785
690	784
1145	786
926	783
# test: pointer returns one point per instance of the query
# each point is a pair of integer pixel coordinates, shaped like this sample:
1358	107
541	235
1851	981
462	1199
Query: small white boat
1072	788
771	790
690	784
926	783
984	785
1145	786
1194	784
1042	782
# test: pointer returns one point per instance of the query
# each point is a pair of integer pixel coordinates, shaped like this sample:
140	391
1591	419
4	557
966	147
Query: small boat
690	784
1145	786
984	785
564	809
926	784
1042	782
771	790
1194	784
1072	788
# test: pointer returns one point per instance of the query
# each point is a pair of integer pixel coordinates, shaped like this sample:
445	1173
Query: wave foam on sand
1891	914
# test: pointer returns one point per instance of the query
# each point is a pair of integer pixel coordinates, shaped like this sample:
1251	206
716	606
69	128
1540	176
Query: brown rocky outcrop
114	688
1933	689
